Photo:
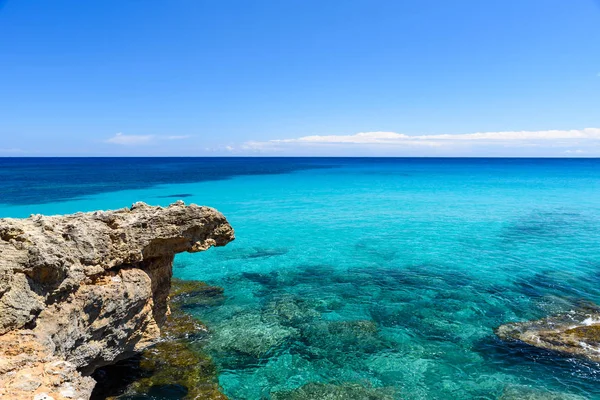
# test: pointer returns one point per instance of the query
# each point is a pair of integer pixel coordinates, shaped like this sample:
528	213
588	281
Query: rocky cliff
85	290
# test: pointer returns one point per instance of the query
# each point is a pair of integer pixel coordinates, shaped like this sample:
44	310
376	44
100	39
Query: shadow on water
250	253
176	196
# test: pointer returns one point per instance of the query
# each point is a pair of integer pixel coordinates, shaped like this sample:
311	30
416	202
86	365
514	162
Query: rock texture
176	364
86	290
576	333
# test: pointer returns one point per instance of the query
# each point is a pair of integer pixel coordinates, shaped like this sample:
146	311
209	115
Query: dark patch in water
422	276
113	380
265	253
46	180
168	392
178	196
376	251
548	282
539	361
547	225
269	279
319	274
388	316
254	252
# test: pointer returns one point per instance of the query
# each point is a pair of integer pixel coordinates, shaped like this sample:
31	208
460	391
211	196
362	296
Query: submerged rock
576	333
290	310
195	294
519	392
340	340
327	391
85	290
248	338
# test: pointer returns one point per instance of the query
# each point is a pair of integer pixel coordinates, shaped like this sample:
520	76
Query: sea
383	277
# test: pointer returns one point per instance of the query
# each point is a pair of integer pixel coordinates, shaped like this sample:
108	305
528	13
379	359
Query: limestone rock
576	333
85	290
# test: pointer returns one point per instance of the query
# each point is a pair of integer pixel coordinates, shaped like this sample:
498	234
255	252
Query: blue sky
300	77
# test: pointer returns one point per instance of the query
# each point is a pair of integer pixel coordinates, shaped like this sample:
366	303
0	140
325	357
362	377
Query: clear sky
300	77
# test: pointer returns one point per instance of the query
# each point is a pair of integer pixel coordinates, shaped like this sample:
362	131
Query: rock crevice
85	290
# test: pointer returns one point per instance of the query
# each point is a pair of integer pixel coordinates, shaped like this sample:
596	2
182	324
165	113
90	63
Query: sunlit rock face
86	290
576	333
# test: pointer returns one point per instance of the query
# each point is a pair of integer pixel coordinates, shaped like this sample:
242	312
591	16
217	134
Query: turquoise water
389	275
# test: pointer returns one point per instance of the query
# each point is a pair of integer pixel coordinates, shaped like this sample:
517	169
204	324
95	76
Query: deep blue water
389	274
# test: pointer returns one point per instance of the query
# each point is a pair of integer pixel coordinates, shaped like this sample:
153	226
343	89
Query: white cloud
134	140
130	140
11	151
359	138
177	137
440	144
399	138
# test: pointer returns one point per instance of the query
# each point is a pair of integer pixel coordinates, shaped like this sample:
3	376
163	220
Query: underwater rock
327	391
521	392
340	341
249	337
195	294
178	362
86	290
576	333
290	310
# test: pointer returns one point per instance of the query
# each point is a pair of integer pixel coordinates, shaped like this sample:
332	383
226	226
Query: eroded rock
86	290
575	333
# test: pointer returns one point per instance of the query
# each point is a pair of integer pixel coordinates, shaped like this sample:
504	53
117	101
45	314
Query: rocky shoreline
82	291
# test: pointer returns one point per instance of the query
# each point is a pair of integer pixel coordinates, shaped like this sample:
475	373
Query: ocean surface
382	277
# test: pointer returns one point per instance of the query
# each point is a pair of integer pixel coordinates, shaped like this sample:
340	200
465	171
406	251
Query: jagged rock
85	290
576	333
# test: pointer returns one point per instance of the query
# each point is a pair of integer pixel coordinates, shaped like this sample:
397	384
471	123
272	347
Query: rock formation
177	364
576	333
85	290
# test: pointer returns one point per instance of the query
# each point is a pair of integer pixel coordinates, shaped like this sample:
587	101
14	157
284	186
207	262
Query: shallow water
387	274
